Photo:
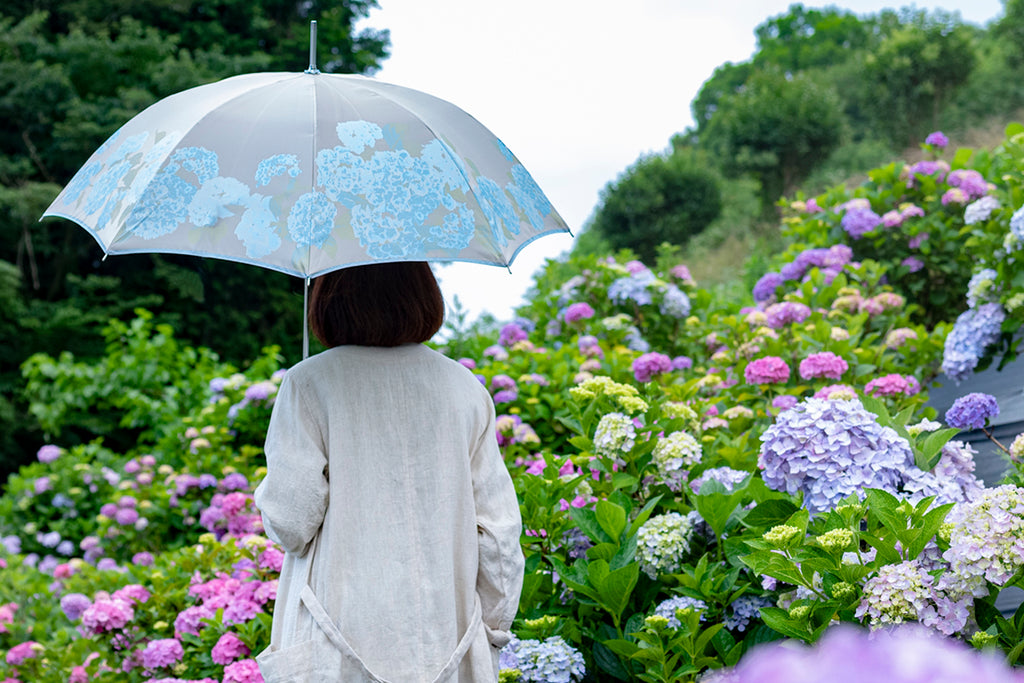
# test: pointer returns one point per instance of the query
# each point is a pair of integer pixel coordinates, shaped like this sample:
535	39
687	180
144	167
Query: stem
1003	448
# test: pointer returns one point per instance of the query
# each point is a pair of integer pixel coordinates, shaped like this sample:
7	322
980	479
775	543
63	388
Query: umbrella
306	173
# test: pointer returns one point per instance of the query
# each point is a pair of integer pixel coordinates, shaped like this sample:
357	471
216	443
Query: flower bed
697	476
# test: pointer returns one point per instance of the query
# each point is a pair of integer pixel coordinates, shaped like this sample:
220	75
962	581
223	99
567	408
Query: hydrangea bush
697	476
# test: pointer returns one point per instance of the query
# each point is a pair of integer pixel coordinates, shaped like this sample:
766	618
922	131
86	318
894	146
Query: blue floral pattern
397	198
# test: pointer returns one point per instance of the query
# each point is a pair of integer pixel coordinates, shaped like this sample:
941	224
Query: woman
386	489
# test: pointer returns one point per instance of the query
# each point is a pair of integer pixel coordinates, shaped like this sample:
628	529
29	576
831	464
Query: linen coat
399	521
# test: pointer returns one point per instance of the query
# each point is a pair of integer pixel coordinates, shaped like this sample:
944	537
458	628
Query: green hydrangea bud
836	540
843	590
510	676
799	612
656	623
782	535
544	622
981	640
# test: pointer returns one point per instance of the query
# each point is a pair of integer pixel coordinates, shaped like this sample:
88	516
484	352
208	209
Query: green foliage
658	199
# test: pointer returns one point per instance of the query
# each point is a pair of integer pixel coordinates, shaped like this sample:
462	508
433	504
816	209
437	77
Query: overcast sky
577	89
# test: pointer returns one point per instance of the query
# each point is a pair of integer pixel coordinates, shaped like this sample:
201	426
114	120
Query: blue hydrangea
675	302
828	450
981	287
667	608
551	660
859	221
971	411
632	288
1017	224
974	330
743	609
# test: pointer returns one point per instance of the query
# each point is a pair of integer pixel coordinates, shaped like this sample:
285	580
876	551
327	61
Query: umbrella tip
312	49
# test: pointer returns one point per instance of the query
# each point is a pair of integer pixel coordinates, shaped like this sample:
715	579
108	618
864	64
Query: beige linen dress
398	518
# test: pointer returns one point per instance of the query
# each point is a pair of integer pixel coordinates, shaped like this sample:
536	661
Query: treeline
71	73
826	94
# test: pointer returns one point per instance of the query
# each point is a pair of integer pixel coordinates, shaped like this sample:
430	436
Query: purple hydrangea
952	479
902	654
648	365
767	370
726	476
632	288
912	263
161	653
765	288
974	330
781	314
968	181
743	609
971	411
858	221
48	453
937	139
785	401
512	333
828	450
74	604
907	591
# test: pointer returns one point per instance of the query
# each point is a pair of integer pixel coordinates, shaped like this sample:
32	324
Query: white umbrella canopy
307	173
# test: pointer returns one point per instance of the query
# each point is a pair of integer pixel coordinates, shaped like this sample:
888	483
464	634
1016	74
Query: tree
803	39
660	198
777	129
914	72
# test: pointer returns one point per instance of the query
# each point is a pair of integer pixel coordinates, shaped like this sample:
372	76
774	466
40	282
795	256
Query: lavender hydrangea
632	288
974	330
726	476
663	542
903	654
551	660
667	608
907	592
1017	224
971	411
986	538
952	480
858	221
765	288
781	314
675	303
830	449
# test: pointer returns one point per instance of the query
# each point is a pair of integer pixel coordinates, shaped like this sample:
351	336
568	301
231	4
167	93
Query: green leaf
623	648
770	513
612	519
609	663
1014	129
931	447
778	620
586	520
619	585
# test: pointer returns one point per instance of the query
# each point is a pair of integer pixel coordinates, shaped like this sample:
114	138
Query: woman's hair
381	304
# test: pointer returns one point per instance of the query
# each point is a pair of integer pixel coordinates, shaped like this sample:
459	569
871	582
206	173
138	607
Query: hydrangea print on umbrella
830	449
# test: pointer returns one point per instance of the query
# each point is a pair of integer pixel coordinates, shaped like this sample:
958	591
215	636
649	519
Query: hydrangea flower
242	671
830	449
912	263
767	370
858	221
971	411
981	287
743	609
667	608
512	333
48	453
578	311
648	365
765	288
106	614
674	454
1017	224
663	542
893	384
162	652
632	288
907	592
22	651
980	210
727	476
823	365
952	479
781	314
974	330
615	434
986	538
229	647
969	181
937	139
551	660
903	654
675	303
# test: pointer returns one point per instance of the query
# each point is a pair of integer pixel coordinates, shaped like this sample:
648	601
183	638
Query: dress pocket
295	664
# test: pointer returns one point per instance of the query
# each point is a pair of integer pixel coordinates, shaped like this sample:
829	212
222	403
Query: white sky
577	89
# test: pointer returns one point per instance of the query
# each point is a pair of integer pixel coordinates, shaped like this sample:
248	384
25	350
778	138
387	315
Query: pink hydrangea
823	365
161	653
767	370
22	651
7	615
836	391
578	311
132	592
189	620
228	648
107	614
893	385
48	453
272	558
242	671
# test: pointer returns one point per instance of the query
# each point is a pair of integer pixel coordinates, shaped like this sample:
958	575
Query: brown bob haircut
380	304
